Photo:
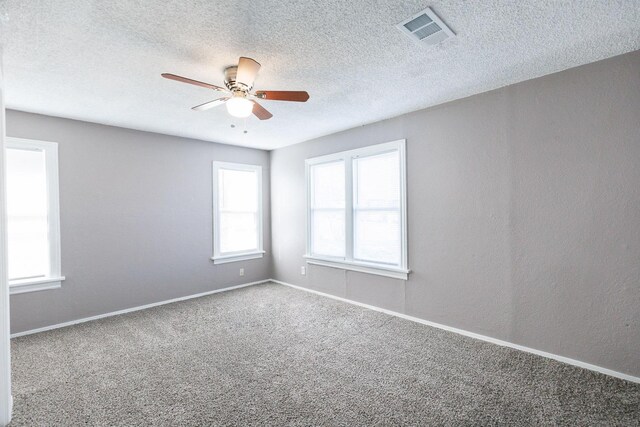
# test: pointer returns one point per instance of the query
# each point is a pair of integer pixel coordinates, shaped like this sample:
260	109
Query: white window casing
237	212
49	274
380	196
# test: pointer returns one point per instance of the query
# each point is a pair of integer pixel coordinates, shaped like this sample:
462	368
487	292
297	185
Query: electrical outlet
242	272
303	270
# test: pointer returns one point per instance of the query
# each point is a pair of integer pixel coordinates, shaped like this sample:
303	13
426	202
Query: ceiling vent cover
425	27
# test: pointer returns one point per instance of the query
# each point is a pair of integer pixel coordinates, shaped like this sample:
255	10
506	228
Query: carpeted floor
272	355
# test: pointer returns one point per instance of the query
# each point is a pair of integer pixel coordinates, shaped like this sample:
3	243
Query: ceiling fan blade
283	95
247	71
210	104
191	81
260	112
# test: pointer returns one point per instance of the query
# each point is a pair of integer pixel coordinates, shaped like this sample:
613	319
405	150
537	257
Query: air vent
425	27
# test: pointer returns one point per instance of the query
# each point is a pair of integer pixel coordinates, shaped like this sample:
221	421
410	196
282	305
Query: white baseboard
563	359
132	309
5	418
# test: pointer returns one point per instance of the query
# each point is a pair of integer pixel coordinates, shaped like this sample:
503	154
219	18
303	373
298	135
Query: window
33	215
356	216
237	212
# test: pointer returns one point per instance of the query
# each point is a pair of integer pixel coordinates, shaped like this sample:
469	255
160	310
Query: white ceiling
101	61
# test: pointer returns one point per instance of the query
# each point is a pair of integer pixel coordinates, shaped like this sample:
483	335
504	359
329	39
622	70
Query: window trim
55	278
226	257
400	271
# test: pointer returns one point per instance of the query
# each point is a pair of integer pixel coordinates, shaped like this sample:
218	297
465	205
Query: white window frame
225	257
348	262
55	278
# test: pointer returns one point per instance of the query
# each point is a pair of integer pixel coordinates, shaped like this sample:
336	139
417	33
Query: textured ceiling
101	61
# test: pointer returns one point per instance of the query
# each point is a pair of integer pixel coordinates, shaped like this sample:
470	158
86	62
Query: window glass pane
327	205
327	229
238	232
377	180
377	231
327	185
27	209
377	236
238	190
238	210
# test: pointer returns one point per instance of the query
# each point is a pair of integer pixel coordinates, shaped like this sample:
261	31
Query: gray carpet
272	355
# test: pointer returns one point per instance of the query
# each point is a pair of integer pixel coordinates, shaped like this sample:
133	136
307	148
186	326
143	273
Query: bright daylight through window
33	215
237	212
356	210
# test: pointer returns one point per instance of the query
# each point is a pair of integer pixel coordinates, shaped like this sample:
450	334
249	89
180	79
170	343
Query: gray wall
524	214
136	219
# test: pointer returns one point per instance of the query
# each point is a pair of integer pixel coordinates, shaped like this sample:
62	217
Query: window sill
34	285
395	273
223	259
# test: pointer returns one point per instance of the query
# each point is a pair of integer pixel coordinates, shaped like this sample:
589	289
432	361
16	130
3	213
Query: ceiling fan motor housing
231	83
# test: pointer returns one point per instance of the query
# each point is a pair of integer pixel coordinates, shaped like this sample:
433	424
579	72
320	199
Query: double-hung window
237	212
33	215
356	210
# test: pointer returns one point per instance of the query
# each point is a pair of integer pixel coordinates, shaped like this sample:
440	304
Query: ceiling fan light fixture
239	106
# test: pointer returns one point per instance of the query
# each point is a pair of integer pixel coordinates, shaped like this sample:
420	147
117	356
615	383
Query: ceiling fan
240	101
